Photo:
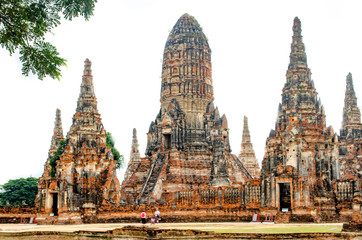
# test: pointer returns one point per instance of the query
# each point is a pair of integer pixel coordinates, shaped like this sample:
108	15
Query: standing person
143	217
157	215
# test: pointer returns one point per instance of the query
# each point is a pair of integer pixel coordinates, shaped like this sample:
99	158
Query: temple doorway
167	141
285	197
55	204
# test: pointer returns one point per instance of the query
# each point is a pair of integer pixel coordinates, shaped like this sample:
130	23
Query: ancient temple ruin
308	174
188	143
247	154
84	177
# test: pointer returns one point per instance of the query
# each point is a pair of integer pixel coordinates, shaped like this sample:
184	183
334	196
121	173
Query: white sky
250	43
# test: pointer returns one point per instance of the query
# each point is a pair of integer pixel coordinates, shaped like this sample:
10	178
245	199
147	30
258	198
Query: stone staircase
152	177
327	208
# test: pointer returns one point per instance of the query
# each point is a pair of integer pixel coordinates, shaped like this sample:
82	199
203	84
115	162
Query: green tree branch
24	23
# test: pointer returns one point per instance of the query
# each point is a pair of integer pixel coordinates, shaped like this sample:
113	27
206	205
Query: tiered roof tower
301	156
85	176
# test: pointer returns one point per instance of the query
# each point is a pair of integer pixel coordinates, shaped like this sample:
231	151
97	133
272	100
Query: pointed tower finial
134	147
87	101
58	119
224	123
87	67
246	133
298	57
297	28
349	85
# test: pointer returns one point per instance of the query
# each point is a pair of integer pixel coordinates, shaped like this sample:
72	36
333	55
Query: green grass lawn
258	228
276	229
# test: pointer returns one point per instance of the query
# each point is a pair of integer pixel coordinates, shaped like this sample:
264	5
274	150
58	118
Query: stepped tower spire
58	133
298	75
87	113
298	57
247	154
351	112
87	101
186	70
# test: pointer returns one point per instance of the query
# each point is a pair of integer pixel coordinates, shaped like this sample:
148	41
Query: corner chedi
135	156
85	174
351	114
188	143
56	139
300	158
349	187
351	135
133	164
247	154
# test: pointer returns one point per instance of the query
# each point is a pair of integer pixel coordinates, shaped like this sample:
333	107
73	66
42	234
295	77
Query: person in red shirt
144	217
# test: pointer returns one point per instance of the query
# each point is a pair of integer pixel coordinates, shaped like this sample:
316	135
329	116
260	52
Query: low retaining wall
168	214
169	217
133	232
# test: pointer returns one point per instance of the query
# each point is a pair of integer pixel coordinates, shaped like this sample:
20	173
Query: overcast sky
250	43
